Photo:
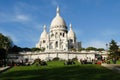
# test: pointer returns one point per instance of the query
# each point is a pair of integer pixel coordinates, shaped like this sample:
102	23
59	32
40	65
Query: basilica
58	38
59	42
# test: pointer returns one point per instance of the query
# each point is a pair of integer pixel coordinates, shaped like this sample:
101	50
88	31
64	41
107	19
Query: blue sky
95	22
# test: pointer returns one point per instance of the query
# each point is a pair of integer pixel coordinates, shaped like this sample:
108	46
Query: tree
113	48
2	56
100	49
91	48
26	49
15	49
5	44
80	49
36	49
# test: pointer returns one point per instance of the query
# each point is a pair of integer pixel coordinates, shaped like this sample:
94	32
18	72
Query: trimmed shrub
37	60
56	59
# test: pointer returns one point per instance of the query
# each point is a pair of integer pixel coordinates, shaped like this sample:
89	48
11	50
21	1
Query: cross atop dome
70	25
58	11
44	27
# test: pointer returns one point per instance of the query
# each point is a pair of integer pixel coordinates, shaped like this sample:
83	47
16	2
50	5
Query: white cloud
22	18
7	17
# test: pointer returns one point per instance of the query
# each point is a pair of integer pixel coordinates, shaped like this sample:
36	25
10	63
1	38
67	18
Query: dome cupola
58	21
44	33
71	34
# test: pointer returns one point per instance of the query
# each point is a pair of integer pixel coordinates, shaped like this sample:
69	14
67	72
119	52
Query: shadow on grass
79	72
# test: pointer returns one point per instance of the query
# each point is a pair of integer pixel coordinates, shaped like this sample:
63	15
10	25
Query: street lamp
107	50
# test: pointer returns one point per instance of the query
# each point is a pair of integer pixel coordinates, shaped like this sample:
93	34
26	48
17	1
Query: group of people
109	61
85	61
69	62
98	61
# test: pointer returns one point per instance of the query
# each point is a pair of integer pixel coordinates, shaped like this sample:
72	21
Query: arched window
43	41
63	34
51	47
52	35
70	40
56	44
60	34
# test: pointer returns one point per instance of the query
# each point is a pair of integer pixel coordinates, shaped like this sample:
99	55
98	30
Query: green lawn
118	61
58	71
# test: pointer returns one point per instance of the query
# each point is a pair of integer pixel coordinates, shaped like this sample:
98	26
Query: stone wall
31	56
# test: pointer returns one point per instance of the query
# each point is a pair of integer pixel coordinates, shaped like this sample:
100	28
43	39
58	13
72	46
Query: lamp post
107	47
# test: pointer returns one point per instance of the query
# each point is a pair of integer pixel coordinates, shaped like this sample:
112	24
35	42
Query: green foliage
91	48
37	60
15	49
113	48
35	49
26	49
56	59
2	54
100	49
80	49
5	42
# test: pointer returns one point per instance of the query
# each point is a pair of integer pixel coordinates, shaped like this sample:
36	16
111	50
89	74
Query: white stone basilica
58	38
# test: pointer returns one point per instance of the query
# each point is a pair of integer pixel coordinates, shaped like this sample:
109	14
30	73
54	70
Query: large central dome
58	21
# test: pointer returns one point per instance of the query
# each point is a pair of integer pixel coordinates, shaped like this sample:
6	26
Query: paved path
2	69
115	67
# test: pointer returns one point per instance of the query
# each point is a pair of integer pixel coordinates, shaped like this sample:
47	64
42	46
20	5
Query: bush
37	60
56	59
69	62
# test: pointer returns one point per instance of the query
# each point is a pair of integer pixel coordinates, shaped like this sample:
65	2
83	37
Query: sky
95	22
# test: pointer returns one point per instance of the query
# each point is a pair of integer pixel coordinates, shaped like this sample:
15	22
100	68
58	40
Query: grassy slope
58	71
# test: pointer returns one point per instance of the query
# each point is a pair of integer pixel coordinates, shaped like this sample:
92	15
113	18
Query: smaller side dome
44	34
71	34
